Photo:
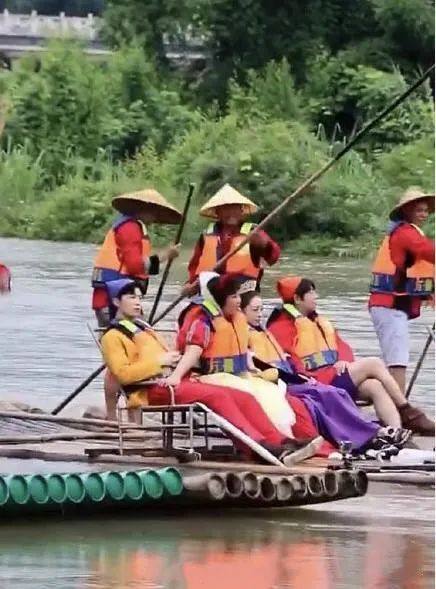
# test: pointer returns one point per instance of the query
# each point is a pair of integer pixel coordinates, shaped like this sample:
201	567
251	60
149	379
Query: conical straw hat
411	195
149	200
227	195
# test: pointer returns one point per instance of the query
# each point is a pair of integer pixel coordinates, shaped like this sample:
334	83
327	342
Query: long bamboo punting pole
177	240
316	176
415	374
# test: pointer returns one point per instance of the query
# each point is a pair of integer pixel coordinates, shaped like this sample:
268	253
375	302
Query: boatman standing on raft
402	279
227	209
126	250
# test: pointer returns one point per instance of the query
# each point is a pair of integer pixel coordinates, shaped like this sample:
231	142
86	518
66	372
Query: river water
382	541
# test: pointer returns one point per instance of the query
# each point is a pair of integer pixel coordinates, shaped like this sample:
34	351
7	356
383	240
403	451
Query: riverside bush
78	132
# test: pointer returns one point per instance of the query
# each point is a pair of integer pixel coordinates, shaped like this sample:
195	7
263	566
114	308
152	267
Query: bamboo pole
78	390
71	437
303	187
420	362
169	262
58	419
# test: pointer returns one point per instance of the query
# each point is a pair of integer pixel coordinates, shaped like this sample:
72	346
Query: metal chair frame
193	422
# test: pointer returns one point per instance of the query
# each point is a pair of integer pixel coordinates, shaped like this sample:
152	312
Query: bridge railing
35	25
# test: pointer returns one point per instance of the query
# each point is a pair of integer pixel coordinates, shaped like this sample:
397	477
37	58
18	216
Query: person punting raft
5	279
133	352
317	349
402	279
127	250
228	210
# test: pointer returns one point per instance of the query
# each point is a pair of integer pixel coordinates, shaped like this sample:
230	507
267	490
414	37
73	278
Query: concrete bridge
22	34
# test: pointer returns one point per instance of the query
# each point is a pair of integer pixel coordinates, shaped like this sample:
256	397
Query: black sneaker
396	436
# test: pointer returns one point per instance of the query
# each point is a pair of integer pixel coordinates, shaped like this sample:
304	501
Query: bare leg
374	368
398	373
372	390
110	396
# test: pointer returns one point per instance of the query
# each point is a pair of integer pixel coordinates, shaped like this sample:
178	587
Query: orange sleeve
127	370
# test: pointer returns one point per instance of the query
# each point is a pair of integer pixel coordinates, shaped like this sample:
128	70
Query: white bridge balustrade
35	25
29	33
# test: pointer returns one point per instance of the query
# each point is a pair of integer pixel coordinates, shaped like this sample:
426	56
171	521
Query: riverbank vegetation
276	96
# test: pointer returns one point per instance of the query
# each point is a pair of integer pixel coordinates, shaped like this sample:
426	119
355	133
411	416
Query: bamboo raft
49	450
59	452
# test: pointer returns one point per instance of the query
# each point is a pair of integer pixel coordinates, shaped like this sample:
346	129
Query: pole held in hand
178	237
303	187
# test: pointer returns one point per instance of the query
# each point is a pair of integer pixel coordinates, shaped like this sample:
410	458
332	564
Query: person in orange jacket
402	279
317	349
227	209
127	251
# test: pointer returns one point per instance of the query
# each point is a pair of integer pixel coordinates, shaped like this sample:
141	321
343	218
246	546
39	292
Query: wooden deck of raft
65	439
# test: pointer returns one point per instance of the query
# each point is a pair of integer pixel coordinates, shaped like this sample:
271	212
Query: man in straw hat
227	209
126	250
402	278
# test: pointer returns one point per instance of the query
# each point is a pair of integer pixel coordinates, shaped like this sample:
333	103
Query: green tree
147	21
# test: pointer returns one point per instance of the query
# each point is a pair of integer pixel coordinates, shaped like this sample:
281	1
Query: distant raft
5	279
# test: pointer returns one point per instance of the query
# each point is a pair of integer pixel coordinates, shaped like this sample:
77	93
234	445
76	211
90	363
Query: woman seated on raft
214	344
332	410
317	350
133	352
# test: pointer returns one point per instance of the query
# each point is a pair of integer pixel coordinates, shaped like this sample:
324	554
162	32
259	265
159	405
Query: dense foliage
283	86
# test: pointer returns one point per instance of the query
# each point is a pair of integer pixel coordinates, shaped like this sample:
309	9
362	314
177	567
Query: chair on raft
201	433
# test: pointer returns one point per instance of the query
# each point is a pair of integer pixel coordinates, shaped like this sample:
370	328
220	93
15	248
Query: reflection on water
46	349
294	550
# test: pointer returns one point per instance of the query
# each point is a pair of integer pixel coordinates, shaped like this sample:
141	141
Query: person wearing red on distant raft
5	279
126	251
227	209
317	350
402	279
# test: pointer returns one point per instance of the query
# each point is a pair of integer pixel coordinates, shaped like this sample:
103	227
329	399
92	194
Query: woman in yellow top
133	352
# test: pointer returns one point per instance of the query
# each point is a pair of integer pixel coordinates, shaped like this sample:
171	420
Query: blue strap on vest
230	364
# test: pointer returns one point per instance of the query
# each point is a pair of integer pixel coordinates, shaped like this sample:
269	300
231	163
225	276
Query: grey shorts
392	329
102	316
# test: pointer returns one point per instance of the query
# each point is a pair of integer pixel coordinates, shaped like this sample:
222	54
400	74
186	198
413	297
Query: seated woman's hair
131	288
304	287
247	297
222	287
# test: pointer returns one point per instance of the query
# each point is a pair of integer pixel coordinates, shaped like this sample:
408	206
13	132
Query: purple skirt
335	414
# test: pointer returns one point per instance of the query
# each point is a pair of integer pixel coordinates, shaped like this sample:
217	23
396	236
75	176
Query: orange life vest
265	346
241	263
316	342
227	349
108	266
418	280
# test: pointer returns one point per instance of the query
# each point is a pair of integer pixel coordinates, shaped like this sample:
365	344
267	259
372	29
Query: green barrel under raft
34	493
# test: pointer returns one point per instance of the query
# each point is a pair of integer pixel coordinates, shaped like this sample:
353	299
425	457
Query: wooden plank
67	455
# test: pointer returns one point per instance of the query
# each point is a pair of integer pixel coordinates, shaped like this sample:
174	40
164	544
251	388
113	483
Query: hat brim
159	213
211	213
395	213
